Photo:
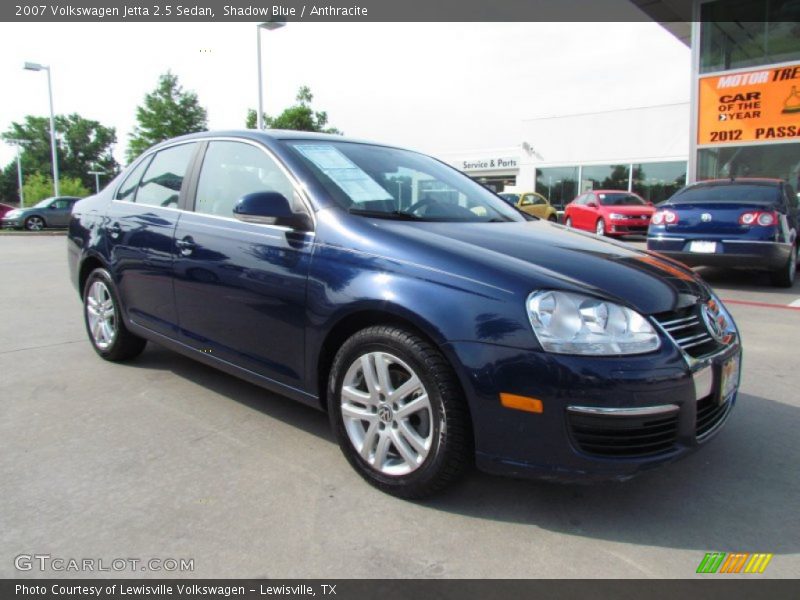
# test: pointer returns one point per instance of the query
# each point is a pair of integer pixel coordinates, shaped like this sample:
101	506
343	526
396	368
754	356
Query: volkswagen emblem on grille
713	323
705	217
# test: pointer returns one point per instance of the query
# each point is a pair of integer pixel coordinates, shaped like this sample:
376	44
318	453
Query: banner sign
757	106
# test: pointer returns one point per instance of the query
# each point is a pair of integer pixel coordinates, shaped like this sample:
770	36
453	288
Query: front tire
34	223
600	227
398	412
102	315
785	276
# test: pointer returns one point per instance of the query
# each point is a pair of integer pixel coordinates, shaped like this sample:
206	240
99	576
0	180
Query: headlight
12	214
567	323
617	217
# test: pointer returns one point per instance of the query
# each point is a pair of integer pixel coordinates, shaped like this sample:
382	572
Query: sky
435	87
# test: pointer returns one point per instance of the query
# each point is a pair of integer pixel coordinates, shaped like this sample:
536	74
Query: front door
240	287
140	224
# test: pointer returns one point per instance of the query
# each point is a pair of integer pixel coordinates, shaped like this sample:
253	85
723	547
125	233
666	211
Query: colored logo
734	562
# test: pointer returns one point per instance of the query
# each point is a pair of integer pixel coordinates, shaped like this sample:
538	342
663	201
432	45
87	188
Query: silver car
50	212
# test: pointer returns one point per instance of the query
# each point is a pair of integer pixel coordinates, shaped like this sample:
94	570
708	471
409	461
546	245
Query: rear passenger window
127	191
232	170
161	184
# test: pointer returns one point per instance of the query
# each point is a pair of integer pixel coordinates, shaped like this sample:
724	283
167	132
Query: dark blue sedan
437	326
742	223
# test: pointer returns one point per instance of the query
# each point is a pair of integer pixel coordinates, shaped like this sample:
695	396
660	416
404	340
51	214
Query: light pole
269	26
18	144
31	66
96	174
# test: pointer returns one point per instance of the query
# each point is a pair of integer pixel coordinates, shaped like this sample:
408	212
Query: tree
38	187
83	145
167	111
299	117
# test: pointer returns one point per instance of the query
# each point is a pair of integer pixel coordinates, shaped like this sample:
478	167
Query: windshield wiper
383	214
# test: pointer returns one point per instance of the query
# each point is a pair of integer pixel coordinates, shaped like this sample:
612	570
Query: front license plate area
729	378
702	247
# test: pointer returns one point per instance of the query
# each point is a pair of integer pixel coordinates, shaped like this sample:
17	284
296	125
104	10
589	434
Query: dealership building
742	120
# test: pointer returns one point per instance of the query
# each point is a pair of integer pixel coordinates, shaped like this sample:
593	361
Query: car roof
613	192
739	180
273	134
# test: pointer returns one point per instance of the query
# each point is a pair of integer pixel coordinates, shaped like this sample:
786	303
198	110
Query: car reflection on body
609	212
436	325
742	223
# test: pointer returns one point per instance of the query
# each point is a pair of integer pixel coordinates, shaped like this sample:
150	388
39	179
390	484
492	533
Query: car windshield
376	181
761	194
43	203
620	199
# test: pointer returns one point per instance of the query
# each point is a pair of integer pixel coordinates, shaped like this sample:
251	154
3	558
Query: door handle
114	230
185	246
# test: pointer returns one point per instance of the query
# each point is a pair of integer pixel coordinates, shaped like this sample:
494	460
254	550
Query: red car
4	208
609	212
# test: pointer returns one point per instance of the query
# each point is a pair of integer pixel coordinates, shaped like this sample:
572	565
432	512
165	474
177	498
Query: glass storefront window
736	35
605	177
655	182
775	160
558	184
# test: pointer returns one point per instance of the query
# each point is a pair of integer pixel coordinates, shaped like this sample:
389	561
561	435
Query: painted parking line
793	306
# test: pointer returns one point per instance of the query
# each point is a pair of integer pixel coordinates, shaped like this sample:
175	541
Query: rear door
240	288
139	229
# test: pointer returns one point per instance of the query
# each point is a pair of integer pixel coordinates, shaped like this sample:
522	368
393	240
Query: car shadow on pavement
738	493
742	280
273	405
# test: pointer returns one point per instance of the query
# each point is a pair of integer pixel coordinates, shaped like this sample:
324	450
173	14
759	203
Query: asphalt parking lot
165	458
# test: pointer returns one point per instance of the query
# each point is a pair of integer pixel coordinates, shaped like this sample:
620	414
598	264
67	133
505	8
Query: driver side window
232	170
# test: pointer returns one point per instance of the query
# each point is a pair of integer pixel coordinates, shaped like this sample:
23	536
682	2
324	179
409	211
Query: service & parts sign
762	105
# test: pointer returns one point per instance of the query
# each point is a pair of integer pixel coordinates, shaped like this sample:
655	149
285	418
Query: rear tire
398	412
552	219
785	276
103	317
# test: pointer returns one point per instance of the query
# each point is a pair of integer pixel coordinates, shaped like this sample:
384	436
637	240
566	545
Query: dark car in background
609	212
50	212
435	324
741	223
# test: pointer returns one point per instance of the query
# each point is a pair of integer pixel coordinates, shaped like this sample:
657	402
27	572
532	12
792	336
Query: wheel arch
88	264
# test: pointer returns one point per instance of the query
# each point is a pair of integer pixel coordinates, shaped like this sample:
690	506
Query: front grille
687	329
710	414
624	436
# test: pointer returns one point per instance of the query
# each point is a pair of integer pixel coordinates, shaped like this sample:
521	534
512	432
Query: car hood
521	257
629	210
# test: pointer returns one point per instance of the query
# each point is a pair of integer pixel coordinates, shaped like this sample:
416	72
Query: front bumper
589	404
749	254
13	223
628	227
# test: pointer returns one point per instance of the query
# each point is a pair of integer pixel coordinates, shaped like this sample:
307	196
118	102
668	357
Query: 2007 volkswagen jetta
437	326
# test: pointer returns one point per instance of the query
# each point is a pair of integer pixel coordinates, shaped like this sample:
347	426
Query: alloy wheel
101	315
34	224
600	229
387	413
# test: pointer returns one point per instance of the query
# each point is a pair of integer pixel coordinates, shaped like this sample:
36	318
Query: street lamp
96	174
31	66
269	26
18	144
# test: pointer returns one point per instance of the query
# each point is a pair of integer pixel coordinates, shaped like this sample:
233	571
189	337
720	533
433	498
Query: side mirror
591	204
270	208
